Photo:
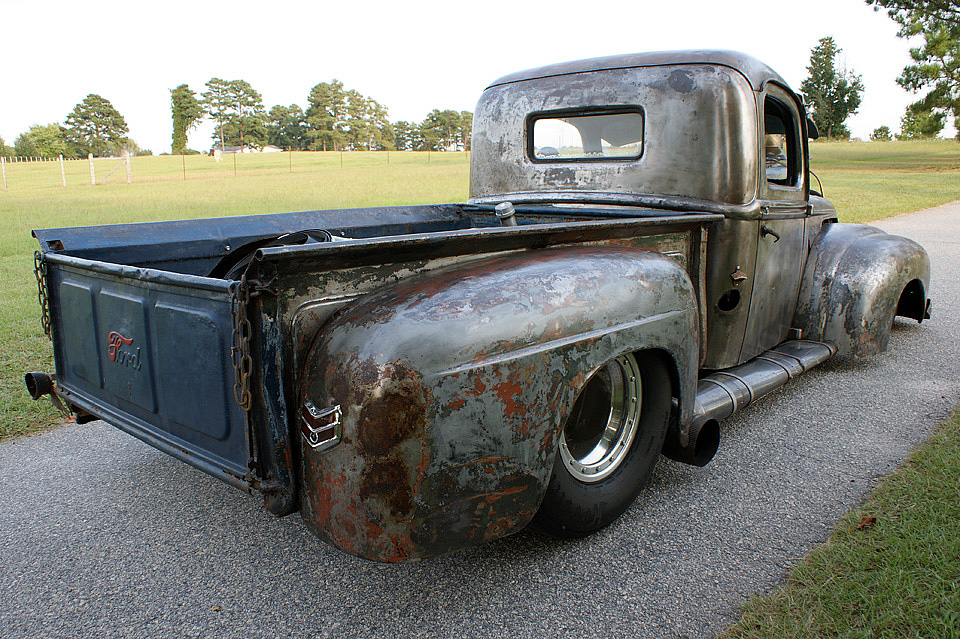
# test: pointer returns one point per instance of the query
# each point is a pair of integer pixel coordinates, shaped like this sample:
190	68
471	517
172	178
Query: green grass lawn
873	180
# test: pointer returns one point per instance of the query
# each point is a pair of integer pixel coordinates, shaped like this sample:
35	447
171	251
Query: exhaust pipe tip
703	444
38	384
705	441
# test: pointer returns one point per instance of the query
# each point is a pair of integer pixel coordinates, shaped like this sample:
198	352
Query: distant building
224	149
227	149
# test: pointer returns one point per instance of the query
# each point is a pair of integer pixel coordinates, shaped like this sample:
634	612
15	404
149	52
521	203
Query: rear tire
609	446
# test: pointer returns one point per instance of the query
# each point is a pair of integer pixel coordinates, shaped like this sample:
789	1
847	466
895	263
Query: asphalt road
101	536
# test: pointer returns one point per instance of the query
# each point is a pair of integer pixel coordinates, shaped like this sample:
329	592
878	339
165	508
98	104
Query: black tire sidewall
572	508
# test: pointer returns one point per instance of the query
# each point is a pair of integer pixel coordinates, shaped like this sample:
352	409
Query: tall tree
248	111
5	151
187	112
358	123
95	125
936	64
442	130
381	131
403	135
417	140
835	95
326	116
218	104
432	130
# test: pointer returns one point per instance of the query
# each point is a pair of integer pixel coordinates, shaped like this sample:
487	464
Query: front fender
454	386
852	284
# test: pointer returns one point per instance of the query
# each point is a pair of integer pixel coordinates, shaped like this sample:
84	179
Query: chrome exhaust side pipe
723	393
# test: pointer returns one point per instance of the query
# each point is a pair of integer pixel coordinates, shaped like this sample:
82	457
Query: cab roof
756	72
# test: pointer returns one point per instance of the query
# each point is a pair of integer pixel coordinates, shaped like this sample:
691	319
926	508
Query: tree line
336	118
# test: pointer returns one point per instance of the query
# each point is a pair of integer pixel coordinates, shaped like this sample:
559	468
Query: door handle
766	230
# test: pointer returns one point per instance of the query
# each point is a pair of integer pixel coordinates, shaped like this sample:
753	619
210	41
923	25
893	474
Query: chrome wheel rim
603	422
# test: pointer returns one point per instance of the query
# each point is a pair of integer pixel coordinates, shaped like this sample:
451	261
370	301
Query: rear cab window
609	134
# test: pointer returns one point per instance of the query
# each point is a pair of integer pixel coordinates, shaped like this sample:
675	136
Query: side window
781	141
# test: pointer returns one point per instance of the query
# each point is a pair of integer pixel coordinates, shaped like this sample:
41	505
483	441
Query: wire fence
28	174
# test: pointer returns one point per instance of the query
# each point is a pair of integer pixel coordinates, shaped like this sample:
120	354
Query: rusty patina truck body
641	256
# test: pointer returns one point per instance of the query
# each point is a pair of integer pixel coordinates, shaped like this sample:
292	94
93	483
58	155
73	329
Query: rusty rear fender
454	387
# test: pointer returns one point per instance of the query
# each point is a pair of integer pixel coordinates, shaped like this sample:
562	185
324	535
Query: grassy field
890	569
866	181
873	180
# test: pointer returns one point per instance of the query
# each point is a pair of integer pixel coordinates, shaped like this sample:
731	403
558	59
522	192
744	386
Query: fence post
183	163
3	169
63	175
127	160
93	175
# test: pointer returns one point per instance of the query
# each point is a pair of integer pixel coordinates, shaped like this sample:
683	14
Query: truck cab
703	131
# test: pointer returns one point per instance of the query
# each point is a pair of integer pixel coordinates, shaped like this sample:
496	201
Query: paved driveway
101	536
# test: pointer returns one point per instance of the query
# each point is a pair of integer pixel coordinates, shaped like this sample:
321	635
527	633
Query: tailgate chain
40	270
240	351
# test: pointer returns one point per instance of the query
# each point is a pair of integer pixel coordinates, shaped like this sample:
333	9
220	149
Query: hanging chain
40	270
240	351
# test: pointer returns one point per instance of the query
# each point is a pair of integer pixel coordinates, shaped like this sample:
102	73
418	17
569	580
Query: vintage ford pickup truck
642	255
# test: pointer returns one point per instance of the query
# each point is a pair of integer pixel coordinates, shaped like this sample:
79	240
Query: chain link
40	270
240	351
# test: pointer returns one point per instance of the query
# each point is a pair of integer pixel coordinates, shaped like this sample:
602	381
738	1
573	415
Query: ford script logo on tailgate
116	352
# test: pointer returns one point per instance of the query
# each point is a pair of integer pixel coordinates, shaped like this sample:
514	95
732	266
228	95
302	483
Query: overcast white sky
410	56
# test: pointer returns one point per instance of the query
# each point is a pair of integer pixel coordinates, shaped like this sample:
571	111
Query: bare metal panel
700	138
780	257
732	256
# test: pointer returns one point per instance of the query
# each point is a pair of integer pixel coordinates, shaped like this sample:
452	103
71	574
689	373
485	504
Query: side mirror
812	131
